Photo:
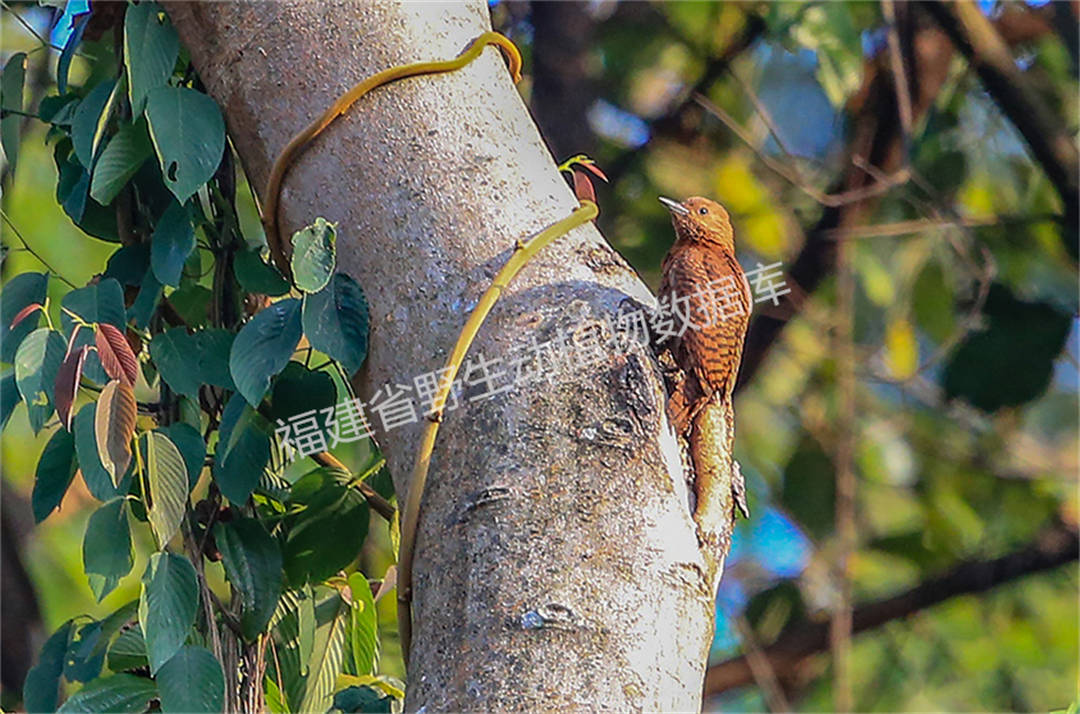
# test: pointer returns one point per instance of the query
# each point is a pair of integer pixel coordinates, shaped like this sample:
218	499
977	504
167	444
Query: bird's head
700	220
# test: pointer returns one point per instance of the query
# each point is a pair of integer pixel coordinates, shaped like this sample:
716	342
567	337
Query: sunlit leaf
363	625
190	443
901	349
114	425
314	255
326	658
122	157
167	479
37	361
21	291
120	693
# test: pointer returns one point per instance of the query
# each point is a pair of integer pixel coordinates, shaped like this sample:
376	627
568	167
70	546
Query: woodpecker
709	296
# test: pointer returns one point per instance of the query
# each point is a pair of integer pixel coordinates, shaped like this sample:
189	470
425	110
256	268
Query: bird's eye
703	210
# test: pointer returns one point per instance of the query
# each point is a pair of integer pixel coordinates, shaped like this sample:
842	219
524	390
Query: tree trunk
557	564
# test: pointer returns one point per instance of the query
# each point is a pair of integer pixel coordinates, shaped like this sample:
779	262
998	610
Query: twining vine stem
523	252
279	250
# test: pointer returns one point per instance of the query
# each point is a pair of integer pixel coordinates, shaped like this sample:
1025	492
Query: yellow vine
523	252
279	250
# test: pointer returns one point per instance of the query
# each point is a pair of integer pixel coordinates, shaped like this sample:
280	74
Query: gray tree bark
557	565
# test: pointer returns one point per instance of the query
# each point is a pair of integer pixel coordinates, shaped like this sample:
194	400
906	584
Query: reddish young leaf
115	353
595	169
67	384
583	187
114	425
21	315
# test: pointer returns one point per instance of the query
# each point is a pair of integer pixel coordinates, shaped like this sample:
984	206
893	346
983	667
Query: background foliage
964	250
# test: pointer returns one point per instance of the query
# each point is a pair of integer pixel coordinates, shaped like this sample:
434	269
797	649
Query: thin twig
793	177
841	621
922	225
761	668
31	251
378	504
900	82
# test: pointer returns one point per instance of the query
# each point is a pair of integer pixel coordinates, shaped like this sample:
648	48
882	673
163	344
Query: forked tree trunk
557	565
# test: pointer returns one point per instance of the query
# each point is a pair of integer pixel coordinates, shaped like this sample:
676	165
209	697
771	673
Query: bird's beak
674	206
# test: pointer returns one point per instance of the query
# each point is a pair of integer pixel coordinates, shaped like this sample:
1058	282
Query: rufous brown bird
708	298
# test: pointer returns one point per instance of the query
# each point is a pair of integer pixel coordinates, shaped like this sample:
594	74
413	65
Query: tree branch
1055	546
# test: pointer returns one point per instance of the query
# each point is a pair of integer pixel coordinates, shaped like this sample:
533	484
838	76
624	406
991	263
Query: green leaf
55	469
167	606
932	302
809	491
263	348
363	699
188	361
257	276
98	481
1010	361
146	301
172	243
66	55
299	389
22	290
42	684
88	124
84	657
58	109
122	157
329	527
167	478
150	51
73	194
11	97
192	302
363	625
252	563
189	136
103	302
243	449
314	255
36	363
128	651
9	395
336	321
107	547
120	694
192	681
129	264
326	657
192	447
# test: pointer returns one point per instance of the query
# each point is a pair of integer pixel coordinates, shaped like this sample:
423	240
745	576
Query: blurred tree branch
1046	135
1055	546
563	88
